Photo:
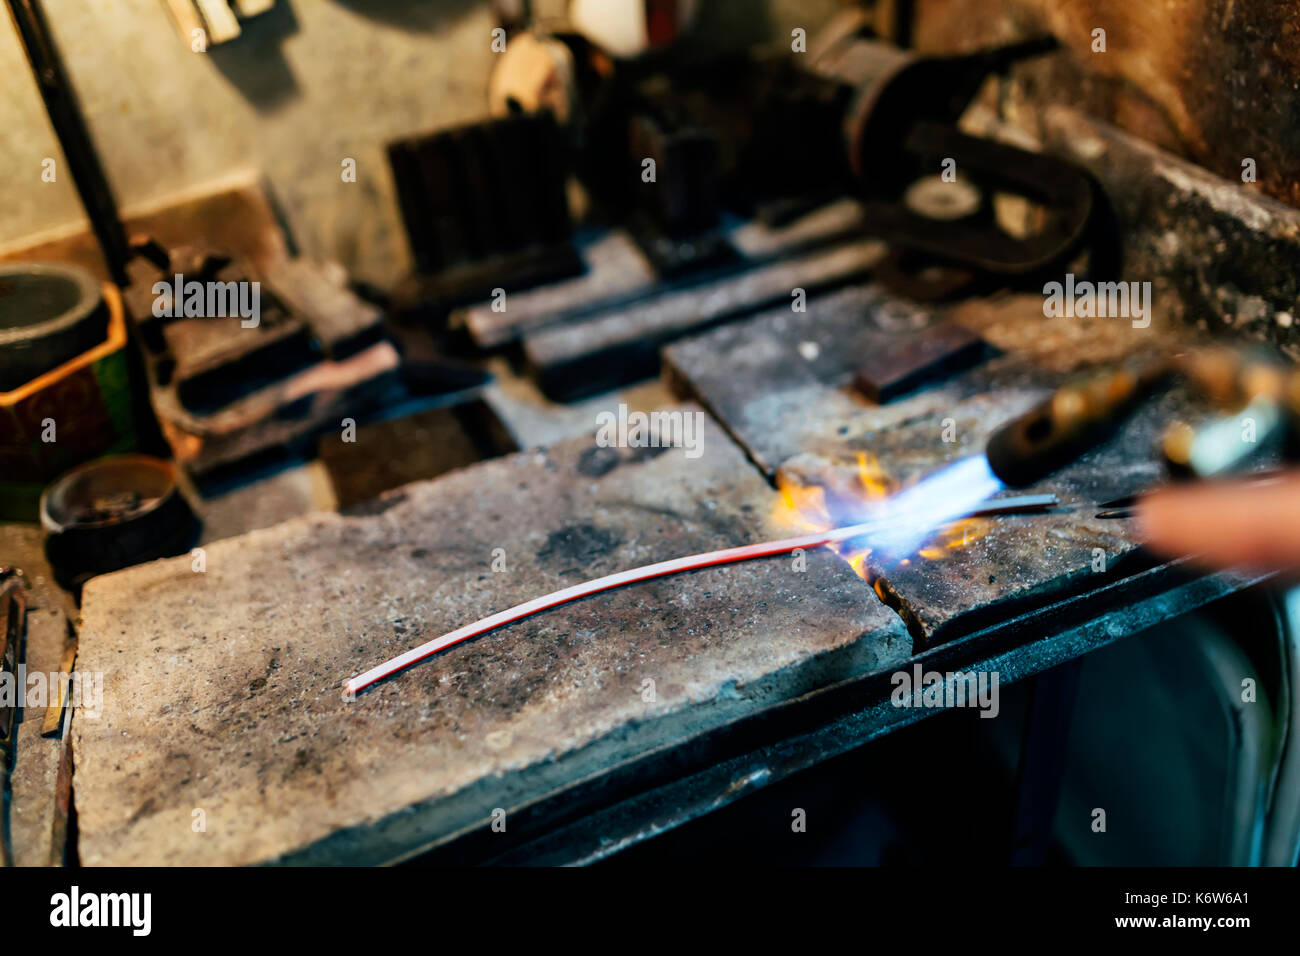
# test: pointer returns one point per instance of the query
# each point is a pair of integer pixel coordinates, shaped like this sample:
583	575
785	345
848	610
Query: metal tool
1126	507
219	20
63	831
70	127
974	240
1264	394
1076	418
900	131
54	711
13	612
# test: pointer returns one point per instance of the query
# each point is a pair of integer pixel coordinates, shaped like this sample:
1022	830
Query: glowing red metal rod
675	566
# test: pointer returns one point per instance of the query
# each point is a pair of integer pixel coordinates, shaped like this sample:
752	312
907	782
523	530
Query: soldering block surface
225	737
780	383
984	571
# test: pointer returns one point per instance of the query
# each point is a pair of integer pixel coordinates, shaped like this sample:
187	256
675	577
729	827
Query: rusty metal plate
921	359
222	689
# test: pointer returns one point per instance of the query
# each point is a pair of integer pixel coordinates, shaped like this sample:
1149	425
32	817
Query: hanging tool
13	612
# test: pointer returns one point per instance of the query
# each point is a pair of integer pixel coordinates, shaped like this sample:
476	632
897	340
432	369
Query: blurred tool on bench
13	609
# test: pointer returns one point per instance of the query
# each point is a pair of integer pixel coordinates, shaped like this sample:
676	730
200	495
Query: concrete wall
308	84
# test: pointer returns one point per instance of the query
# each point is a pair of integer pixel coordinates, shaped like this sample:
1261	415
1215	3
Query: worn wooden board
622	344
223	689
36	758
618	273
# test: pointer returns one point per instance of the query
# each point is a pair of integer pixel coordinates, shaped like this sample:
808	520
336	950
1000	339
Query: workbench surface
226	738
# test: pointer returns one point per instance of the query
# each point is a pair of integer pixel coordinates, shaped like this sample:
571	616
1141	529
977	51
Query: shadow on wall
730	26
417	16
254	62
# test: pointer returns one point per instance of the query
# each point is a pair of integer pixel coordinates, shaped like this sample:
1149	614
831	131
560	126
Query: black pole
70	127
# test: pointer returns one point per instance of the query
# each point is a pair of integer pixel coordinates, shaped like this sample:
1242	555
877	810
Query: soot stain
598	461
374	506
647	452
581	543
146	809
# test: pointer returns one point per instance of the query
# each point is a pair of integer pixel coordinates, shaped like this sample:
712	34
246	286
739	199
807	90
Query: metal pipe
70	127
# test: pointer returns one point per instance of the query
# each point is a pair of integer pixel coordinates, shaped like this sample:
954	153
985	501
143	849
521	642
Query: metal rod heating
661	569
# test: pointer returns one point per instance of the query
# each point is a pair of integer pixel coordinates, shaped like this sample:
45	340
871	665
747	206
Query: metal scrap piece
620	345
899	367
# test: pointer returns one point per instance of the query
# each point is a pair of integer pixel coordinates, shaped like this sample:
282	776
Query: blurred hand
1249	524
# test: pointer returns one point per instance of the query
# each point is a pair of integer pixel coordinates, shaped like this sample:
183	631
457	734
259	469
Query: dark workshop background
314	81
309	83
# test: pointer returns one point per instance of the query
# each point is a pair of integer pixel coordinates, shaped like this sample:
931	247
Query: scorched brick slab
223	689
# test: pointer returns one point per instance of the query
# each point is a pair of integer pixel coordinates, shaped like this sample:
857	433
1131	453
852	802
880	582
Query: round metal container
49	313
112	513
